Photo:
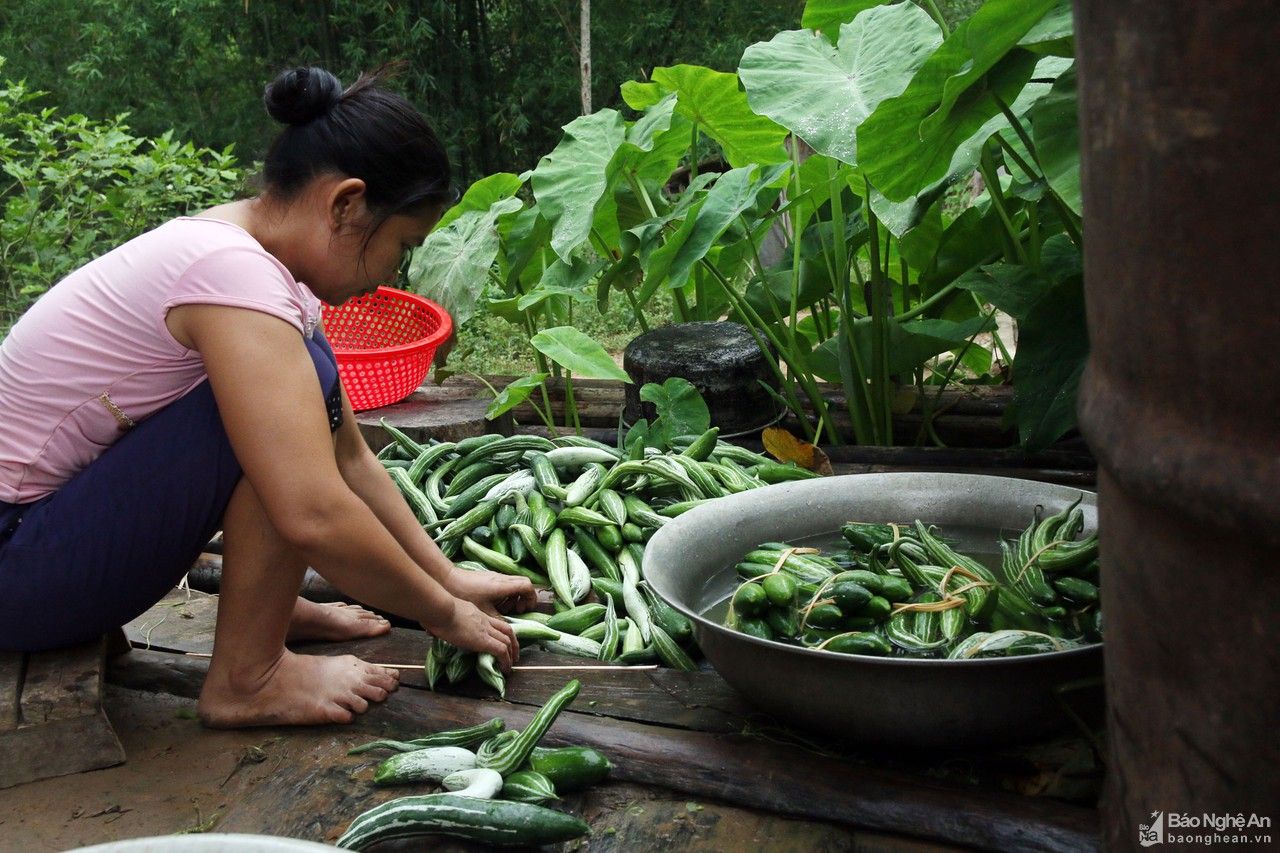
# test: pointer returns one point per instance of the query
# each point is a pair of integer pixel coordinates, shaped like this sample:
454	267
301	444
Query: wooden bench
51	717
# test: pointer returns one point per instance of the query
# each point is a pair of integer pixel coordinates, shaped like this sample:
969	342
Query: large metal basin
689	562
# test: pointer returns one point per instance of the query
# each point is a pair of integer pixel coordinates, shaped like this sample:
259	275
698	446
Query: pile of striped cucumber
492	795
902	590
571	514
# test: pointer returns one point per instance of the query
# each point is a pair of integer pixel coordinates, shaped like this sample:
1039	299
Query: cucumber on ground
498	822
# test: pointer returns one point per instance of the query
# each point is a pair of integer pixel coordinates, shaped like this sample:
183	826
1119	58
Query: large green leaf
514	394
985	41
822	93
577	352
1012	288
1053	34
482	194
1053	343
973	238
733	192
452	266
570	181
908	142
912	344
826	16
714	100
1057	138
680	408
641	95
563	279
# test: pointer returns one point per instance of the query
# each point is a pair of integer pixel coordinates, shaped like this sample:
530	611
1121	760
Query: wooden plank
184	620
11	668
62	684
744	771
61	727
697	700
58	748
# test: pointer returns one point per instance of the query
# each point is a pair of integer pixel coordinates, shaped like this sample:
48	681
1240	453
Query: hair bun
300	95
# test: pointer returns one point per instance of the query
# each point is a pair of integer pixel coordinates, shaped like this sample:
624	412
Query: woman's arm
265	386
365	475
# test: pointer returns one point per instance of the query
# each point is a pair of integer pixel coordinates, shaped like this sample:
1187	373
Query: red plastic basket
384	343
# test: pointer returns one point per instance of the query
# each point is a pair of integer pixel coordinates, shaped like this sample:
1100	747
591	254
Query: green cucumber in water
570	768
497	822
750	600
858	643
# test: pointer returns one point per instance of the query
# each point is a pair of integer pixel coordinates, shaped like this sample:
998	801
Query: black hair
365	131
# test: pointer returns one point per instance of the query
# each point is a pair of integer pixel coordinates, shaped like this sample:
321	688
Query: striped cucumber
477	782
495	822
558	566
637	610
528	786
422	508
514	754
423	765
409	445
579	576
487	669
468	736
612	632
585	486
428	458
500	562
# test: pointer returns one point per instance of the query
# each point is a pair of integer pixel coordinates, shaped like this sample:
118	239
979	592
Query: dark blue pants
115	538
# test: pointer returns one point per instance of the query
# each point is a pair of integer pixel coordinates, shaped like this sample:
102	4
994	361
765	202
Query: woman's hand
493	593
472	629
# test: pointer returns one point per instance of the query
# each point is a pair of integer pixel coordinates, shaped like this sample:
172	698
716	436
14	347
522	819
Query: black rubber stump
722	361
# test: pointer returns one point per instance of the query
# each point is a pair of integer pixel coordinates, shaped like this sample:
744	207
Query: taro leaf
912	344
680	408
974	237
577	352
514	394
776	283
824	361
655	120
714	100
1012	288
639	432
1053	35
658	262
506	309
1057	139
570	181
1060	258
482	194
640	96
452	266
1053	343
807	326
826	16
908	142
669	148
563	279
527	233
969	151
733	192
822	93
916	222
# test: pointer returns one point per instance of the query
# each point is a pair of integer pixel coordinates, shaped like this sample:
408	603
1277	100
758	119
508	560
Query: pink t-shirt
94	354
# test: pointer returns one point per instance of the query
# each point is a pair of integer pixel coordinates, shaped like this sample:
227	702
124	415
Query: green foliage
680	410
73	188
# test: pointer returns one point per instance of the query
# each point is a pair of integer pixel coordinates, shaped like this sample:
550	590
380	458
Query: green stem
641	194
758	327
906	283
681	304
636	310
541	361
571	418
693	154
934	13
877	388
992	179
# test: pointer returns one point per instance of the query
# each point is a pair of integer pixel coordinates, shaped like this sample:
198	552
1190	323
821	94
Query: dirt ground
180	777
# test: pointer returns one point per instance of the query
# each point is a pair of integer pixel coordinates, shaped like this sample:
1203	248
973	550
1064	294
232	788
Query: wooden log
434	412
743	771
51	717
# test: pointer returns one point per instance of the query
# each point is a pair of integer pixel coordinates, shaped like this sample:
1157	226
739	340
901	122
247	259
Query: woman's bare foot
333	622
295	690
